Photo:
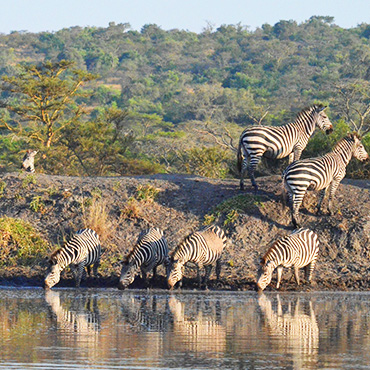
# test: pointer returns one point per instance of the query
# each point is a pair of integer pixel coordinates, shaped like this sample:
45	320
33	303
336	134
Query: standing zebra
321	173
299	249
81	251
28	162
150	251
203	248
279	142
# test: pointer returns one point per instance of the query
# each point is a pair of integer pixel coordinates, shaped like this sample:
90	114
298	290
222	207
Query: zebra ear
322	107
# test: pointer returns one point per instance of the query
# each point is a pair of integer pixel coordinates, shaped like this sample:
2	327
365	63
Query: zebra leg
144	275
242	172
198	275
208	269
296	274
154	273
218	269
296	202
80	269
309	271
279	271
252	165
333	188
321	198
95	268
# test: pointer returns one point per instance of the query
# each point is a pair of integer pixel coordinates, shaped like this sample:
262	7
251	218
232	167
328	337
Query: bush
20	244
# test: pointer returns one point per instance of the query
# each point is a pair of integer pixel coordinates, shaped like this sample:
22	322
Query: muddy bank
181	205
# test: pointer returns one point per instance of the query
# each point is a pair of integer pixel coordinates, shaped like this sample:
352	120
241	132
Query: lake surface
110	329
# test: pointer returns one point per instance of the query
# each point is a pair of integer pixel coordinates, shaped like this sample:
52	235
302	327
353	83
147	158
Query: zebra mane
308	110
54	256
264	258
349	138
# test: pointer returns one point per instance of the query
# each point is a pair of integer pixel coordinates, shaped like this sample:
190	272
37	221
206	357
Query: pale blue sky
192	15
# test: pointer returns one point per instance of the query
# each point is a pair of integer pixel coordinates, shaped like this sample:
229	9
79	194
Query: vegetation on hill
129	102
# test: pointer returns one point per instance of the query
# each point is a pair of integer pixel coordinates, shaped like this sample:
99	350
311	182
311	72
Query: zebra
28	161
82	250
279	142
298	249
293	325
203	248
322	173
150	251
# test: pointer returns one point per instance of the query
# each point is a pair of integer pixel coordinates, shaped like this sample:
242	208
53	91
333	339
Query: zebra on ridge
321	173
279	142
203	248
28	162
150	251
82	250
298	249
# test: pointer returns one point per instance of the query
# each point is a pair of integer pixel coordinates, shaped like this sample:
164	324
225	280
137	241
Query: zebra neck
344	150
63	260
304	125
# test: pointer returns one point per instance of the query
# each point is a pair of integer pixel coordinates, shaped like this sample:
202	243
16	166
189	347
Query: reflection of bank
197	326
293	330
77	319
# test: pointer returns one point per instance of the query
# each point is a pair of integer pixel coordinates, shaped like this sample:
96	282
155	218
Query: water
110	329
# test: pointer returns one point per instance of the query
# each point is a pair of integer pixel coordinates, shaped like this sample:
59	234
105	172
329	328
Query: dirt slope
180	208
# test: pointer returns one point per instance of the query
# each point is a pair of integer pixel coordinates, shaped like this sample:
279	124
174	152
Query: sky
190	15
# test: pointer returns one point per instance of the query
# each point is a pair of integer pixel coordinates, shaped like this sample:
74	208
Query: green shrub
20	243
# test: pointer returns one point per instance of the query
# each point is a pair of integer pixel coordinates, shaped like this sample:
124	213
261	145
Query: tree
43	96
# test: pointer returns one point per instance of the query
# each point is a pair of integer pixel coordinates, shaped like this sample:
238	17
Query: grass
95	215
20	243
231	208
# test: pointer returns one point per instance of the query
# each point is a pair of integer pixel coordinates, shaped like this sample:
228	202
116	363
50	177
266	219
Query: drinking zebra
279	142
150	251
28	162
202	248
321	173
81	251
299	249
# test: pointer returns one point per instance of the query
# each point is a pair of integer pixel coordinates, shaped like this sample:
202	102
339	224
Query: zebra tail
284	192
240	157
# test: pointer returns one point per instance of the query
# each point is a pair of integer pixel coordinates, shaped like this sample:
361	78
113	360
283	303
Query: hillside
57	206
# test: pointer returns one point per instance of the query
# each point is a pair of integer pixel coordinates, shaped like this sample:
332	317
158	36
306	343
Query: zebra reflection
146	313
77	319
292	330
197	326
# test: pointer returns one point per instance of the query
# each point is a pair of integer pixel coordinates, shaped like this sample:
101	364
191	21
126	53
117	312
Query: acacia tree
42	98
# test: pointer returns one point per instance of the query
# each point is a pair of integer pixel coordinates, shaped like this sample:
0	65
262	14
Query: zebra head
128	273
359	151
175	274
28	161
266	275
53	274
322	120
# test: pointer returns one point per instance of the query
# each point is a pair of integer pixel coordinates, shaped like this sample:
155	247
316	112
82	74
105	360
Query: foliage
208	162
155	84
41	97
37	204
230	209
146	193
20	243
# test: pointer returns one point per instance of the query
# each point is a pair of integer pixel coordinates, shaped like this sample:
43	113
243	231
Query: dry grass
95	215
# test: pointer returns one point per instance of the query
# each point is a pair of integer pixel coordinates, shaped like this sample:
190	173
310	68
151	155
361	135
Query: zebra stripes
203	248
150	251
279	142
81	251
299	249
321	173
28	162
